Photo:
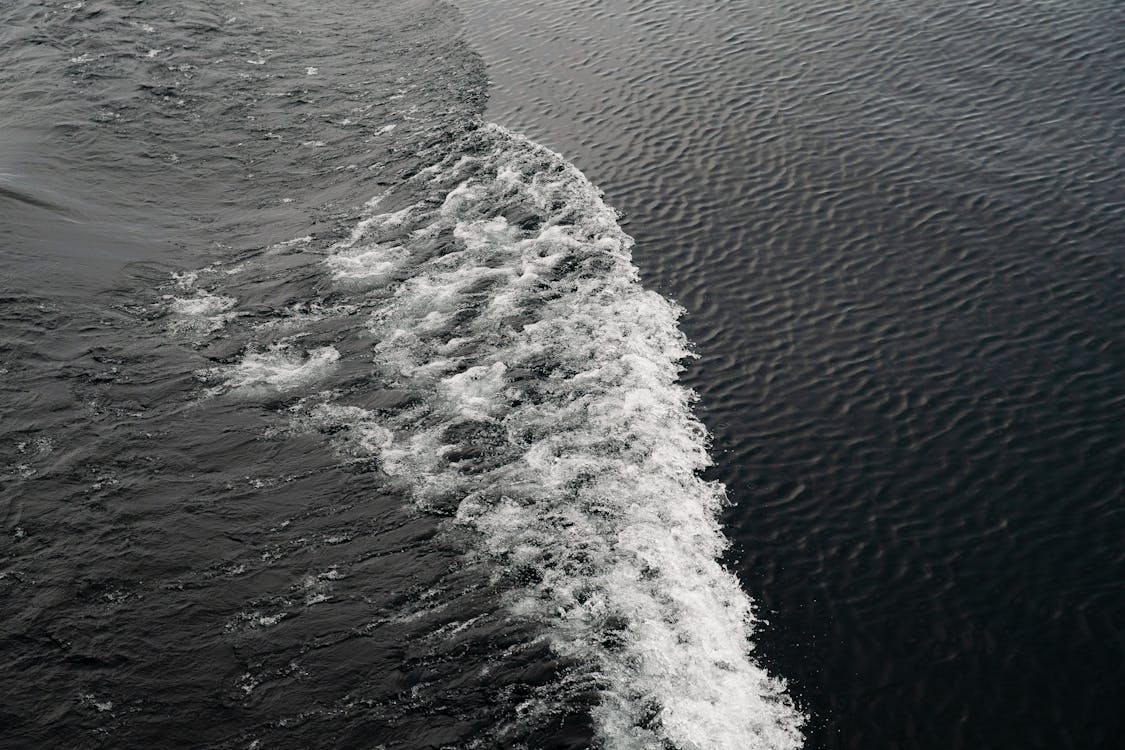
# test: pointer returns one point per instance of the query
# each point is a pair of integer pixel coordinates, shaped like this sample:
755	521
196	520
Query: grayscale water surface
898	231
332	416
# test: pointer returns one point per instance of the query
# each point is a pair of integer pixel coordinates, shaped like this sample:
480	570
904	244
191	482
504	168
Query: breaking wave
545	420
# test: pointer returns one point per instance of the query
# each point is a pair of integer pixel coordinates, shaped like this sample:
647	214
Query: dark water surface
331	418
898	231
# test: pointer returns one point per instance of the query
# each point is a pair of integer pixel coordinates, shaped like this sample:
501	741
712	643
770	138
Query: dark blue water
334	418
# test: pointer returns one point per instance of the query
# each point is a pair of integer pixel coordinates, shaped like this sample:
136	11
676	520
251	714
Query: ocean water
628	374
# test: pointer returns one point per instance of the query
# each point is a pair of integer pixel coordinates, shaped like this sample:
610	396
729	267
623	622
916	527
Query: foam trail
280	368
548	422
554	427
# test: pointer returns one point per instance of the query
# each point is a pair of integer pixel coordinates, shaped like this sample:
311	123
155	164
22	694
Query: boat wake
540	412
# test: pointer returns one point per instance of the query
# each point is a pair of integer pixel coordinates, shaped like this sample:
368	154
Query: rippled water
331	418
897	229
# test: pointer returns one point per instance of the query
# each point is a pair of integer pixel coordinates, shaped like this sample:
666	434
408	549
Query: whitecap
203	313
277	369
555	428
549	426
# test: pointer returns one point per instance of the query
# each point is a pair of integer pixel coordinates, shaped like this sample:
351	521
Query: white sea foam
293	318
203	313
289	245
202	305
364	266
549	422
187	279
277	369
365	435
553	425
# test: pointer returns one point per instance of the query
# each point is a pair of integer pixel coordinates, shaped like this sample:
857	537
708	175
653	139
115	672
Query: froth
554	427
547	421
203	313
277	369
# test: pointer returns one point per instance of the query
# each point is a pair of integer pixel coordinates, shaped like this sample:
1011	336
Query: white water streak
557	429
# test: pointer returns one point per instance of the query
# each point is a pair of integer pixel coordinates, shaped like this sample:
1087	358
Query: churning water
335	416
